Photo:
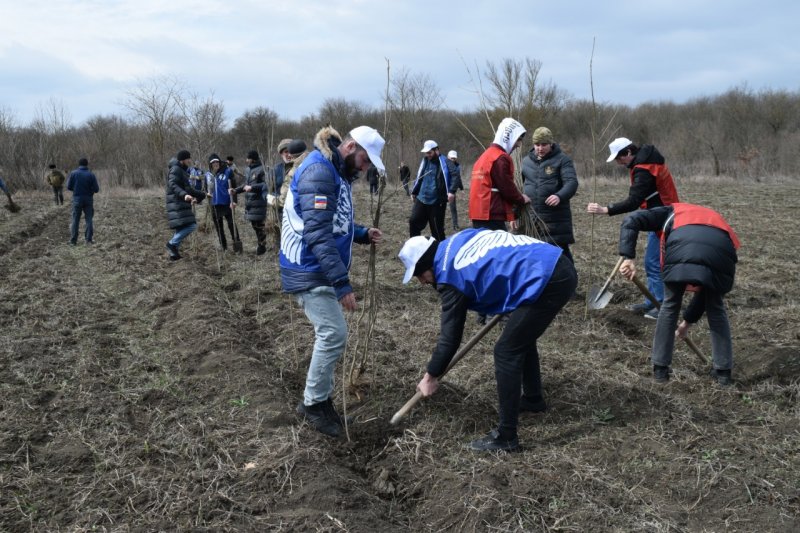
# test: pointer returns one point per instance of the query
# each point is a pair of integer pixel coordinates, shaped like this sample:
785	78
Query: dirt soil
139	394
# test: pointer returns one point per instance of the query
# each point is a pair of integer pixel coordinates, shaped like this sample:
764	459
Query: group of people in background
262	187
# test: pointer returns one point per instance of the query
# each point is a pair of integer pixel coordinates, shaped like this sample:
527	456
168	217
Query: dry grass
138	394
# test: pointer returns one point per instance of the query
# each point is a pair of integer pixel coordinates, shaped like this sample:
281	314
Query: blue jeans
85	205
182	233
330	329
652	266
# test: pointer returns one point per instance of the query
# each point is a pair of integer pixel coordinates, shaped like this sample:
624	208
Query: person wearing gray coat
255	202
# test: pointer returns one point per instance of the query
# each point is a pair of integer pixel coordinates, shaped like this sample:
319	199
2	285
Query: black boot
319	417
493	442
336	417
173	252
261	250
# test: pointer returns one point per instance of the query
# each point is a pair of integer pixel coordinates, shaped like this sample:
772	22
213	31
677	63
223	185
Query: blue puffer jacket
318	228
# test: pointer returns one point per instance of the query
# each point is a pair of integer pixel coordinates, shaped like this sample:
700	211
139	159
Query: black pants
58	194
261	232
219	213
427	215
516	357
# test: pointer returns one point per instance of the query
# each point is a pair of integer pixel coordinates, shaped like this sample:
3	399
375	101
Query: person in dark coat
550	181
180	196
255	203
405	176
372	178
455	186
699	255
83	184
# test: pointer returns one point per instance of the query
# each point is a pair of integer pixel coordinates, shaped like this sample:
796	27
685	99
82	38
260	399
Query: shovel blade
598	298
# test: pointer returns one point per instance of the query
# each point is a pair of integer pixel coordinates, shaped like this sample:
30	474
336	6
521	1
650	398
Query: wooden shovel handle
649	295
403	411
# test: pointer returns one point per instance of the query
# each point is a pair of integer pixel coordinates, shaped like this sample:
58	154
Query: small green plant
710	455
747	399
603	416
241	401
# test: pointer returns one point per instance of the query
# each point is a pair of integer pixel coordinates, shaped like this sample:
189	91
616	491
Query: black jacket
554	174
644	183
179	211
255	205
693	254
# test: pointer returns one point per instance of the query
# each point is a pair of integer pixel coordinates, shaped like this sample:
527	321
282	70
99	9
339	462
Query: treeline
742	133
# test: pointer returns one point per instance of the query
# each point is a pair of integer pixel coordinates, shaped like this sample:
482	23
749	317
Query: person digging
494	272
698	254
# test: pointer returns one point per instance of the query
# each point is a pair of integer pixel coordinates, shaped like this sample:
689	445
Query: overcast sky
293	54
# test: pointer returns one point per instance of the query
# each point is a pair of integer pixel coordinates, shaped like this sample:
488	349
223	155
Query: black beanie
296	147
182	155
83	162
252	154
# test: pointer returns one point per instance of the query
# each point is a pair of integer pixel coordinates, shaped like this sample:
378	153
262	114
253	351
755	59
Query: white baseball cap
412	250
371	141
428	146
616	146
452	154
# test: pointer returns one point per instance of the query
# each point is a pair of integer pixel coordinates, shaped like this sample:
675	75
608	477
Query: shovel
237	242
599	298
643	288
461	353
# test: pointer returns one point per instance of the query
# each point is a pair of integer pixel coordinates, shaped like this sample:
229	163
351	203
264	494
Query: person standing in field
55	178
405	176
550	181
493	194
297	153
255	203
316	249
180	196
455	186
83	184
698	254
651	186
431	192
222	180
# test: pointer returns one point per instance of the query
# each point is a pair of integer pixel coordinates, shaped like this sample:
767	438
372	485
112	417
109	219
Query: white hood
507	134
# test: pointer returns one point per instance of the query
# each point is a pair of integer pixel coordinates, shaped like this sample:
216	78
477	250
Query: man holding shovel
651	186
494	272
698	254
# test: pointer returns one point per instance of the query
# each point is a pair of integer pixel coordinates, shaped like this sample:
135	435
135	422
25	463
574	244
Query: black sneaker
527	405
722	377
318	416
73	243
660	373
173	252
261	250
494	443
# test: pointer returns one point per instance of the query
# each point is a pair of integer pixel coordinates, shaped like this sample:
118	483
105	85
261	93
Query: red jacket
493	193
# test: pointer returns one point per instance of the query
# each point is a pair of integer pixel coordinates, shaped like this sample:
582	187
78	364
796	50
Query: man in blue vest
317	237
494	272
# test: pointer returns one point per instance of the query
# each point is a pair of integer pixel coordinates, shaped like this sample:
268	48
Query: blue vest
496	270
221	196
